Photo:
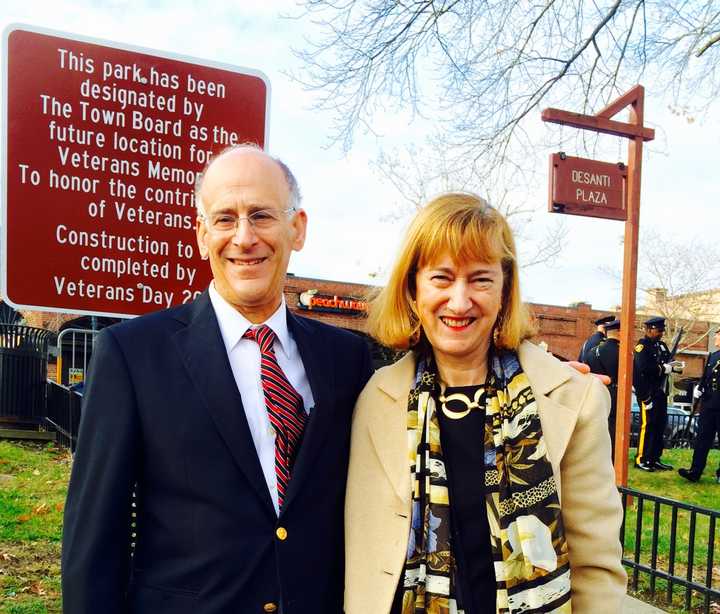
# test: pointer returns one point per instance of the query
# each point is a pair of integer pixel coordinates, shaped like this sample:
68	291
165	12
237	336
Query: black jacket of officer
593	340
648	367
605	359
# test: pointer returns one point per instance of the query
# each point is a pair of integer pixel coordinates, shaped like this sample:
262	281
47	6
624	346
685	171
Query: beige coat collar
545	373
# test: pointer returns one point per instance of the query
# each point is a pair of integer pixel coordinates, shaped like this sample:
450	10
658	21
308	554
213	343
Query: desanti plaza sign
579	186
102	146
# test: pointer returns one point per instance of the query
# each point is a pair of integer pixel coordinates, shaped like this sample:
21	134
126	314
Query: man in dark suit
210	470
708	394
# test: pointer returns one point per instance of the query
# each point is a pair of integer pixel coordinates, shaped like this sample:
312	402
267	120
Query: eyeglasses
263	219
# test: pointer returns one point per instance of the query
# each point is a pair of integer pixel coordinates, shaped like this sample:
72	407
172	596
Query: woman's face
458	305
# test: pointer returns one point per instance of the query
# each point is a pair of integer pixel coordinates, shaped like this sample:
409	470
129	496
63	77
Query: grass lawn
668	484
33	481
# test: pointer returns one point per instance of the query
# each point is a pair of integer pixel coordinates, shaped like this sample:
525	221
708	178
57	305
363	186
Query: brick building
563	329
343	304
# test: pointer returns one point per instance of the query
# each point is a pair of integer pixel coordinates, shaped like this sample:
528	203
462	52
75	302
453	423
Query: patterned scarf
527	537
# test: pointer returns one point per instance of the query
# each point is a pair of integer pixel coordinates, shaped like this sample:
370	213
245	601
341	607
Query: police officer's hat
655	322
614	325
604	320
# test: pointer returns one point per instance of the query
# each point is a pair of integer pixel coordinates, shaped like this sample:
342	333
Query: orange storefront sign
340	304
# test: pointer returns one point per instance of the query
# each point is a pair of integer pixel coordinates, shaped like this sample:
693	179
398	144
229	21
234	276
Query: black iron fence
63	413
669	548
23	371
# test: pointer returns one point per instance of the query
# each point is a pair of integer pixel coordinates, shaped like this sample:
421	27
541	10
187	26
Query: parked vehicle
678	433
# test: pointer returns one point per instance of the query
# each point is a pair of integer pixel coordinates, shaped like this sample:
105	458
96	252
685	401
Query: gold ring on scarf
459	396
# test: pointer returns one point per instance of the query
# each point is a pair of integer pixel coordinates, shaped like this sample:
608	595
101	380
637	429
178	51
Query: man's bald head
295	198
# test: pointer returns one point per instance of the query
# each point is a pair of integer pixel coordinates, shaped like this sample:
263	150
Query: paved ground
635	606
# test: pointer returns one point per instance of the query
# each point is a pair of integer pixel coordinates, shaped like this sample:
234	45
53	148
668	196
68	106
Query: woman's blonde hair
467	228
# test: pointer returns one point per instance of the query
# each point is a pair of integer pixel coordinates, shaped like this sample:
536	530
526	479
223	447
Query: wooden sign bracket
633	130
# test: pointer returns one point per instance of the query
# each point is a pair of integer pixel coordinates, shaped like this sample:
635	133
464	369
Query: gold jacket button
281	533
270	607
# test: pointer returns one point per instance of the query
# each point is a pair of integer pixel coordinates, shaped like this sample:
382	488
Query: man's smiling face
249	263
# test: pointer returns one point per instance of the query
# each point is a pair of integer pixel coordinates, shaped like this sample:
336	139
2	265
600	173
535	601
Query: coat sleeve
97	529
592	510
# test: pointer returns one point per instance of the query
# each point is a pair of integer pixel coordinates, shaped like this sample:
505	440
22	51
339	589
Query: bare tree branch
676	279
478	68
715	39
418	173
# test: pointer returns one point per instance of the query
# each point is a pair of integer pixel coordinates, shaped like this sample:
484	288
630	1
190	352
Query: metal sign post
637	134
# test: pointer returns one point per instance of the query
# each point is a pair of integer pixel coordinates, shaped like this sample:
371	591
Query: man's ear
201	234
299	224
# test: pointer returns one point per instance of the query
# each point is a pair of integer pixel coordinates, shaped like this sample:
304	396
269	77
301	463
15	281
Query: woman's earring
415	336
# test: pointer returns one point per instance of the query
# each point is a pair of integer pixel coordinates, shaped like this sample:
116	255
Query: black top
462	441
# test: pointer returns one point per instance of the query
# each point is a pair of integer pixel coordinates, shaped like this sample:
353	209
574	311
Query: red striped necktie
284	407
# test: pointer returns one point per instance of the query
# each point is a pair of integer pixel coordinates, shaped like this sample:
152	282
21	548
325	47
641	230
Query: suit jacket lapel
321	375
203	352
389	431
545	375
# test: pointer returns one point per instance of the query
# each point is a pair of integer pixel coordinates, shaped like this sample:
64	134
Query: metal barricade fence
63	414
64	399
75	346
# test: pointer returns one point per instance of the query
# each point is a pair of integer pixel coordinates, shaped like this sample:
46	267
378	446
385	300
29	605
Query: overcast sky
350	237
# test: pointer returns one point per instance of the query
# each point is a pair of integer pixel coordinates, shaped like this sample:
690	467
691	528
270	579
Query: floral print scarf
527	537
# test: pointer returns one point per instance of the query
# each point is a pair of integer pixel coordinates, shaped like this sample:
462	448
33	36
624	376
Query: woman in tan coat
480	477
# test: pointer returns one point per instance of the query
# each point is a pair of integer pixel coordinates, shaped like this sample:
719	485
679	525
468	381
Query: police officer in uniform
593	340
604	358
651	366
708	391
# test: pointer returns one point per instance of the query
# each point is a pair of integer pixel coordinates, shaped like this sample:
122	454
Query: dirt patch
30	572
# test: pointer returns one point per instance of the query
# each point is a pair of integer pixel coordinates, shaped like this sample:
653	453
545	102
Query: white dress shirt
244	356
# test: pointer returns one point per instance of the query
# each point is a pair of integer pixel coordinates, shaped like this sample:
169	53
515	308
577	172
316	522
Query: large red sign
103	144
579	186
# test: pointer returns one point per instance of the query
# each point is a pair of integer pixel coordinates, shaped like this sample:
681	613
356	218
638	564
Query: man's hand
583	368
647	405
